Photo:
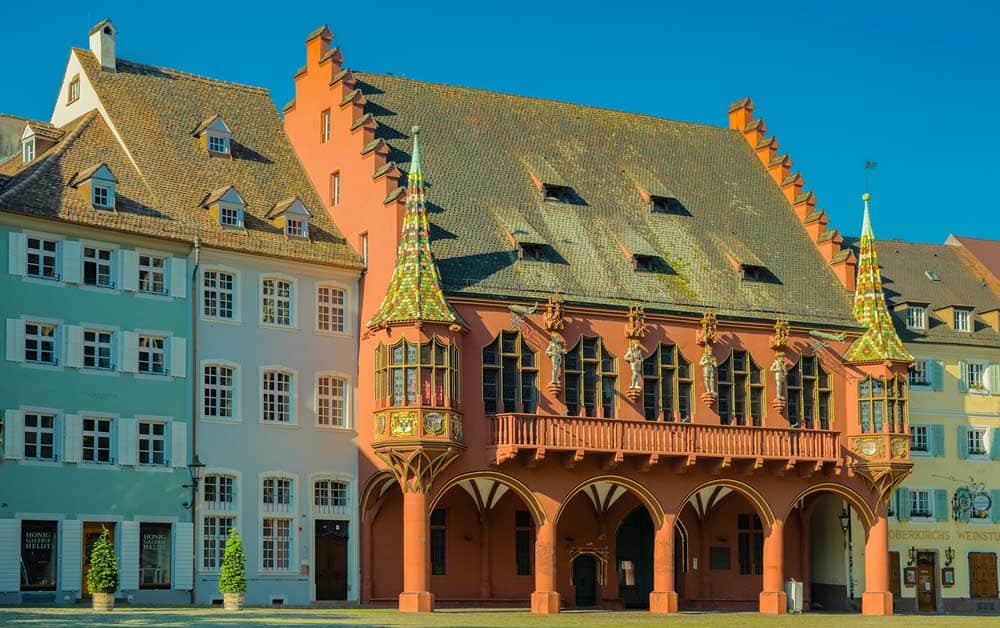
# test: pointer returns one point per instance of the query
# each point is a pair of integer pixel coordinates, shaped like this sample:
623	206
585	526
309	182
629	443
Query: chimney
102	44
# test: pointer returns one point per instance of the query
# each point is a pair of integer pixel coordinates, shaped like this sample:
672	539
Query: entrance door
634	558
91	532
982	574
331	560
585	580
926	582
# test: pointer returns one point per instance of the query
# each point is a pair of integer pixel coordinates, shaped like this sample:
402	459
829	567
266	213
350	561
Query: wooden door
585	580
982	574
331	560
894	575
926	582
91	532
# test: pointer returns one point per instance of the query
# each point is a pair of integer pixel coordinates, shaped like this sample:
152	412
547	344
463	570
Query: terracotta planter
103	602
232	601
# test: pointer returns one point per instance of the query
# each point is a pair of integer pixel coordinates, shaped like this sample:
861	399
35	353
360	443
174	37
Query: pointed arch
647	498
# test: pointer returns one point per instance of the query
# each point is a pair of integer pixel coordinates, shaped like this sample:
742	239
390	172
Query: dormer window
648	263
532	252
296	227
103	195
752	272
553	192
916	317
28	150
230	216
931	275
227	206
963	320
218	144
665	205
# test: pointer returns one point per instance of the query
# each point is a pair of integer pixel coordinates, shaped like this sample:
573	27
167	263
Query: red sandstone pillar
416	597
545	599
877	599
773	600
663	598
806	560
366	560
485	589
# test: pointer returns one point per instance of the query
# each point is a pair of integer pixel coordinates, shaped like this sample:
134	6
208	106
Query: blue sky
914	88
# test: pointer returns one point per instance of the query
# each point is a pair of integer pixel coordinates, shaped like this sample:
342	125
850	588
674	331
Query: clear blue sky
914	88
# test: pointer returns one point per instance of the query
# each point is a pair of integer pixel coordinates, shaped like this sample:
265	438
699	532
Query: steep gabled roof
484	152
986	252
164	176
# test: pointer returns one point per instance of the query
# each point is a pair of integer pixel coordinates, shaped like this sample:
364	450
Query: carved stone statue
708	365
634	358
556	351
780	371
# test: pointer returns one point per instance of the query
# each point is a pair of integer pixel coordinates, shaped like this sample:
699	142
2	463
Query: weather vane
869	165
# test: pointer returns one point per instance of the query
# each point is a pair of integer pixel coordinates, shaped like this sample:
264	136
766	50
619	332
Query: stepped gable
164	174
488	155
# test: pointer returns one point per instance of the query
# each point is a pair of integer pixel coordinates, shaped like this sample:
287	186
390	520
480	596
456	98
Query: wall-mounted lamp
196	469
912	555
845	520
949	555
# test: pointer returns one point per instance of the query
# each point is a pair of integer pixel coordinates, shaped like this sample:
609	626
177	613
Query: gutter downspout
196	250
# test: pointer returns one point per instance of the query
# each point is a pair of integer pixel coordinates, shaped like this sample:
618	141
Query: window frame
678	363
73	90
110	264
292	395
601	375
331	510
210	510
234	293
28	150
920	313
335	188
325	124
386	368
521	349
797	382
749	387
926	430
43	255
111	347
333	287
290	301
151	272
235	391
55	340
297	227
982	366
163	352
288	515
55	431
893	405
152	438
102	194
112	436
222	142
437	542
921	366
983	436
345	399
965	316
928	515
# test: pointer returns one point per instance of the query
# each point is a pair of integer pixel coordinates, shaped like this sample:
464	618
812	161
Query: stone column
545	599
773	600
663	598
485	587
416	596
877	599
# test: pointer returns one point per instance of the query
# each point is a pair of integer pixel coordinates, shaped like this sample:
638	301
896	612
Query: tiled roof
164	180
45	130
904	265
481	150
986	252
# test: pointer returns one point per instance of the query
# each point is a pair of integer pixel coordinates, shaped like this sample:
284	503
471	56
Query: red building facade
607	359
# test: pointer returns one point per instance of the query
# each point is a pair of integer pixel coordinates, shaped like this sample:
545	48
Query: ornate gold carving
552	320
709	333
379	425
636	328
900	447
779	342
868	448
416	468
402	424
599	552
883	477
435	424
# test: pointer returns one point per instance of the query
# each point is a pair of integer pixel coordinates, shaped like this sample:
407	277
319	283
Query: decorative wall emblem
456	429
379	424
518	313
403	424
869	447
553	318
434	423
709	333
900	447
971	503
636	328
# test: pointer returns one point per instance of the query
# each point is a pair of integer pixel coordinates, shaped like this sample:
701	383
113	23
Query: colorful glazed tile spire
414	292
880	342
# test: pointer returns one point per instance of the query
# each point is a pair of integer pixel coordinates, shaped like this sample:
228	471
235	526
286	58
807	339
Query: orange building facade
625	413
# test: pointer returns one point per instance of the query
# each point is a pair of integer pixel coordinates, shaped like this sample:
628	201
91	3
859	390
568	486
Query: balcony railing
514	432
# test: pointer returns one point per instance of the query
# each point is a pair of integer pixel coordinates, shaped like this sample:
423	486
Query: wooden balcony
650	442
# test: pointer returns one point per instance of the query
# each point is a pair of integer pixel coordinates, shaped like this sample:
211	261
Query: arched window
510	375
882	404
809	394
590	379
666	385
741	390
417	373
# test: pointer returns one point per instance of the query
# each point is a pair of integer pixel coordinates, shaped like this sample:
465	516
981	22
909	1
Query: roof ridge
360	75
190	75
61	147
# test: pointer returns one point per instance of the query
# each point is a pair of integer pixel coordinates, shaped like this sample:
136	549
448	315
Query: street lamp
196	469
845	527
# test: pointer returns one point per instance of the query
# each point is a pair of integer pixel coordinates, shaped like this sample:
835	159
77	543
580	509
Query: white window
276	544
330	401
218	294
335	188
40	343
976	372
219	493
230	216
277	396
920	504
329	496
977	441
916	317
28	150
97	440
919	374
97	267
151	355
918	438
39	436
325	126
329	309
97	349
963	320
215	531
152	443
219	386
42	258
276	302
218	144
104	196
277	495
74	90
297	227
364	248
152	274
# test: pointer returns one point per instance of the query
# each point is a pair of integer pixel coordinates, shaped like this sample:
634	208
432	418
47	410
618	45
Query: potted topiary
102	579
233	579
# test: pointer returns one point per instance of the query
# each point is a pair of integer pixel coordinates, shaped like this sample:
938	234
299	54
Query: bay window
410	373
